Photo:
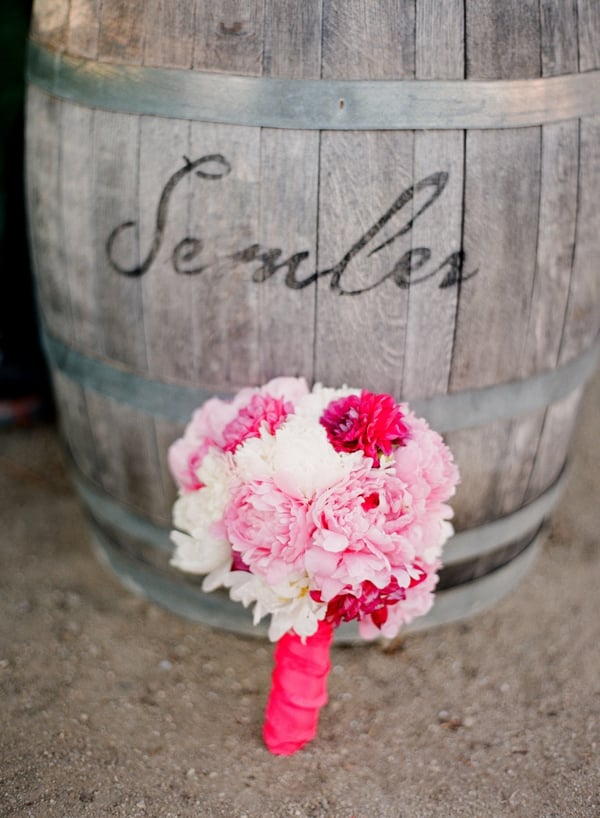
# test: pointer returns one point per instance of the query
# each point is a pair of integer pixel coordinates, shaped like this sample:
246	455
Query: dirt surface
112	707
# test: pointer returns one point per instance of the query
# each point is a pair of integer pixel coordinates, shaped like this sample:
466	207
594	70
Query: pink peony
185	457
214	425
327	504
269	528
425	464
203	432
359	536
286	388
263	412
367	422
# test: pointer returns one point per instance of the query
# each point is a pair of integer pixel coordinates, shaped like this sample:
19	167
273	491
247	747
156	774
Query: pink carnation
262	412
359	534
367	422
269	528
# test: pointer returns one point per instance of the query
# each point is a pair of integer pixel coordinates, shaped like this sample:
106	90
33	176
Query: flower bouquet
317	507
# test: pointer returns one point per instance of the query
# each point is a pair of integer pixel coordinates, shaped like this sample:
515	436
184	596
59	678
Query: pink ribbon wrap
298	690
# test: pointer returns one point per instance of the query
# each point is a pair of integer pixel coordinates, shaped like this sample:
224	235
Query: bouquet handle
298	690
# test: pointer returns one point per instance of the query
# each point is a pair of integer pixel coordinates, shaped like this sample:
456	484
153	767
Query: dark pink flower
367	422
417	601
263	411
371	601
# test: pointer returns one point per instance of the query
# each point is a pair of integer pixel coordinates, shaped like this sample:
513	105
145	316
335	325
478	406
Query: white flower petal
305	458
244	587
254	458
197	557
314	404
217	578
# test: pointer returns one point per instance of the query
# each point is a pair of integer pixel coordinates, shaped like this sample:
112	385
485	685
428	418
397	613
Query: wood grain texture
506	464
553	449
79	225
502	194
558	200
169	28
521	447
583	311
360	339
439	39
367	172
289	188
559	37
500	237
431	309
292	39
43	169
168	313
366	40
554	261
166	432
228	36
503	39
224	215
49	23
121	36
116	186
74	424
582	322
84	28
479	454
556	237
127	462
501	213
588	12
128	458
223	321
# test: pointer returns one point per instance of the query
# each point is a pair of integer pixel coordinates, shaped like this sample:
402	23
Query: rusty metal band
314	104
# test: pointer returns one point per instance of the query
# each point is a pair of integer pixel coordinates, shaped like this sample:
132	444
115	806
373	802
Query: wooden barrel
398	195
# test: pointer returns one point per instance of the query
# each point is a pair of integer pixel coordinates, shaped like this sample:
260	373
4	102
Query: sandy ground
112	707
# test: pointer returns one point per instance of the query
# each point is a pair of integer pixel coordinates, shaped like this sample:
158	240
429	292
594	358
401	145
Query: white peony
304	459
289	603
196	511
254	459
199	551
205	556
314	404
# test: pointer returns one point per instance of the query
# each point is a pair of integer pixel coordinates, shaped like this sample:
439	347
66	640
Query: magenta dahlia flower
367	422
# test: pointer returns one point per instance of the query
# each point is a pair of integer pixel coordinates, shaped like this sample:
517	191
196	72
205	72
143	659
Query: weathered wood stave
520	203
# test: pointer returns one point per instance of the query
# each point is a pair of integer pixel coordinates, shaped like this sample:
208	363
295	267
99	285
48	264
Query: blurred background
24	386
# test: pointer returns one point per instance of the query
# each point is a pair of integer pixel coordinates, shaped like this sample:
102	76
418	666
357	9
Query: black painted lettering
405	273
